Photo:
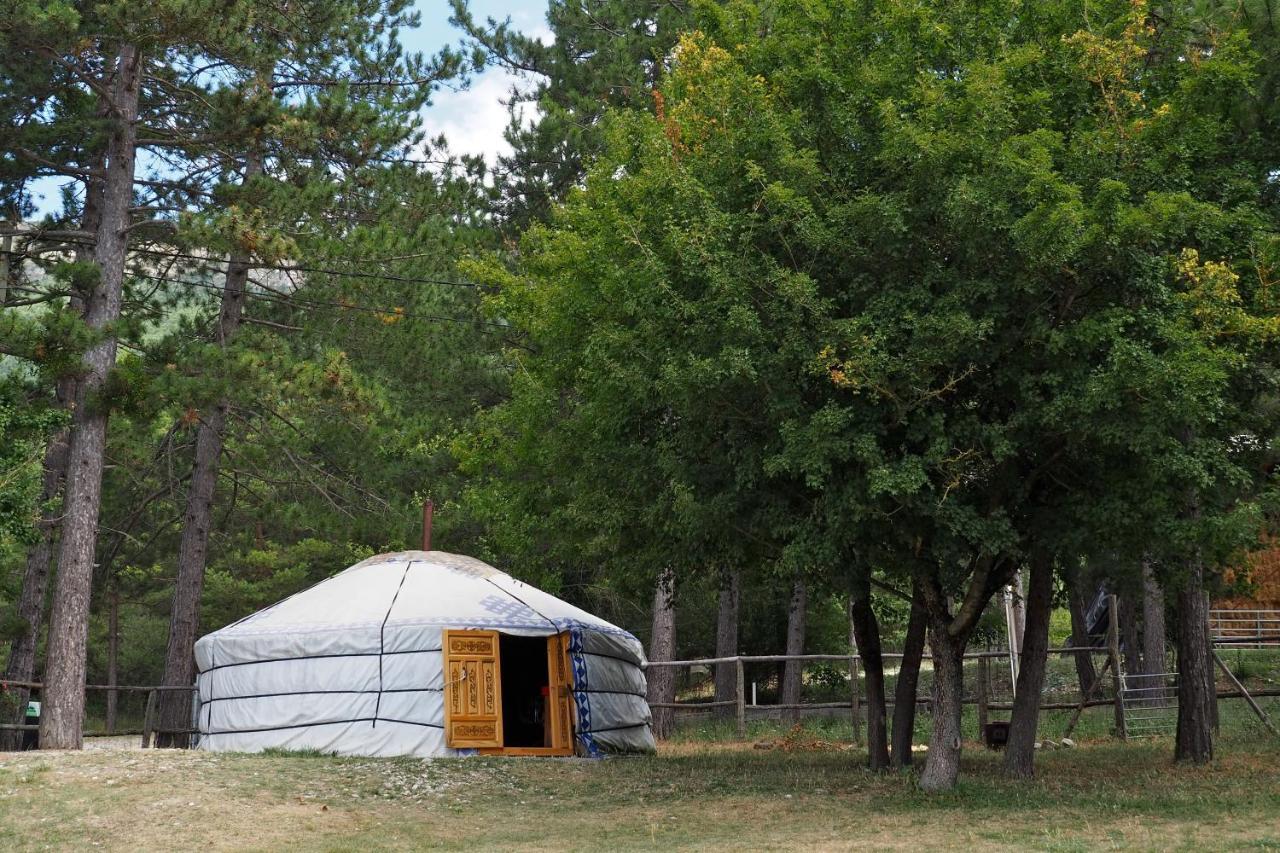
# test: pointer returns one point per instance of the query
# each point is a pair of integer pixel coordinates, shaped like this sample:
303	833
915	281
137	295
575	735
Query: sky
471	118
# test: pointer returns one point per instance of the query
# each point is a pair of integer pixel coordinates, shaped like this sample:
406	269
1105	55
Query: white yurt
422	653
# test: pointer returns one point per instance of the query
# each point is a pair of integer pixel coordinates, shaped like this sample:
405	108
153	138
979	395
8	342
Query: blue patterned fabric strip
580	697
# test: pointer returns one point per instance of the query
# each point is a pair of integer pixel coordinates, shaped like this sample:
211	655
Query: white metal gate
1150	704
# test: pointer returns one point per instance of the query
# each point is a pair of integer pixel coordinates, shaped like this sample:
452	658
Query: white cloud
473	119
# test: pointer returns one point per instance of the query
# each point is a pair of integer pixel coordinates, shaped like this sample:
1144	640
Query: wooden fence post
983	677
741	704
855	699
1113	651
1085	696
148	719
113	657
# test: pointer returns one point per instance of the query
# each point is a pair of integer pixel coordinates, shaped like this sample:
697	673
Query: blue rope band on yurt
580	693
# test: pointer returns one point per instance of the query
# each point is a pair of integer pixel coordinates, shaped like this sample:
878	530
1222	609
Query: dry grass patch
694	795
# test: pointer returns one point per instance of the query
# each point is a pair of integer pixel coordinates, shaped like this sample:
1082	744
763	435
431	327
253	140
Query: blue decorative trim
580	693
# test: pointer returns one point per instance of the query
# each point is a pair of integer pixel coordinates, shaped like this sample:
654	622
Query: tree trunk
793	671
942	766
1019	614
184	613
1086	674
1129	634
727	641
62	712
905	690
867	632
1019	755
662	646
35	581
1153	633
1195	674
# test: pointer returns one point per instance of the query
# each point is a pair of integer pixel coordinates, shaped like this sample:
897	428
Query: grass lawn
802	792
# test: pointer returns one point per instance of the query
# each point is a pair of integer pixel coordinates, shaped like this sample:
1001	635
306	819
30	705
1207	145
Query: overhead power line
302	269
322	304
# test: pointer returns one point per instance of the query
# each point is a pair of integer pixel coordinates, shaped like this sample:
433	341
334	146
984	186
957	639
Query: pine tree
603	55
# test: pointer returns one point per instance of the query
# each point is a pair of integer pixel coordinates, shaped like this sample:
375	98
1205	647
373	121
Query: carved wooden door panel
561	677
472	689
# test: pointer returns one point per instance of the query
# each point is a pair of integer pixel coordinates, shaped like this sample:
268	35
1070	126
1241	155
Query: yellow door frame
473	694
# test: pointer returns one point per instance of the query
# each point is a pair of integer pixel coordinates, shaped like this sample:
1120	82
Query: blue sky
472	119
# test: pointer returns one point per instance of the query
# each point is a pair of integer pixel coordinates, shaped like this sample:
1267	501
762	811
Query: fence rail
1144	704
149	729
853	661
1257	629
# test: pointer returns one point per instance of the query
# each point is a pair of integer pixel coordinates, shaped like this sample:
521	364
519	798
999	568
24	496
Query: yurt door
561	690
472	689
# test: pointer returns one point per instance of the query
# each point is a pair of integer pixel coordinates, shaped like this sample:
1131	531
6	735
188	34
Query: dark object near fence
996	734
31	737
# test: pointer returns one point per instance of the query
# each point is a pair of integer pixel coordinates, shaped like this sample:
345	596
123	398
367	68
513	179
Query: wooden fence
149	729
1261	632
854	704
1089	696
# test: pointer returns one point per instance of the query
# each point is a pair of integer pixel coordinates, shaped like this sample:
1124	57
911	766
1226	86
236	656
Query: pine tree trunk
907	686
35	581
21	665
1153	633
662	647
1019	755
1129	634
793	671
727	640
942	766
1086	673
62	712
184	613
867	632
1196	698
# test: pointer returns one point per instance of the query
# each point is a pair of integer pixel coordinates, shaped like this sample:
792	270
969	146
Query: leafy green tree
921	277
1023	195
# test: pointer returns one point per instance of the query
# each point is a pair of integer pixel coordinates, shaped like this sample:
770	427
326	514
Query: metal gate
1150	704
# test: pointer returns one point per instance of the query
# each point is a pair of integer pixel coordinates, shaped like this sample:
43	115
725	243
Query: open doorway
507	695
525	691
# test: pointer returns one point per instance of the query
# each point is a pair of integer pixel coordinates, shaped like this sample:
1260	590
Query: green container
31	739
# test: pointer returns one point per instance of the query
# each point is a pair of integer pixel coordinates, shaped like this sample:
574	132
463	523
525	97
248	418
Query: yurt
422	653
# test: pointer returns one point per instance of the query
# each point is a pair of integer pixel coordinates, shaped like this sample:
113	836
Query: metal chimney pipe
428	510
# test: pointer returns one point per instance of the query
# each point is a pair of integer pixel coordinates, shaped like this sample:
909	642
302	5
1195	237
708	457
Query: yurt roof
418	588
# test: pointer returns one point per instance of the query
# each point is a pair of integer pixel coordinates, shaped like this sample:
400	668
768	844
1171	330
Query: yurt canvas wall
359	665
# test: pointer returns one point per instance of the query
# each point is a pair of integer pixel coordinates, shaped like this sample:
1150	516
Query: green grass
1255	667
807	790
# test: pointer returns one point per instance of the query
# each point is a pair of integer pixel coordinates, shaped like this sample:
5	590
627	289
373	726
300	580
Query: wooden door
560	674
472	690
